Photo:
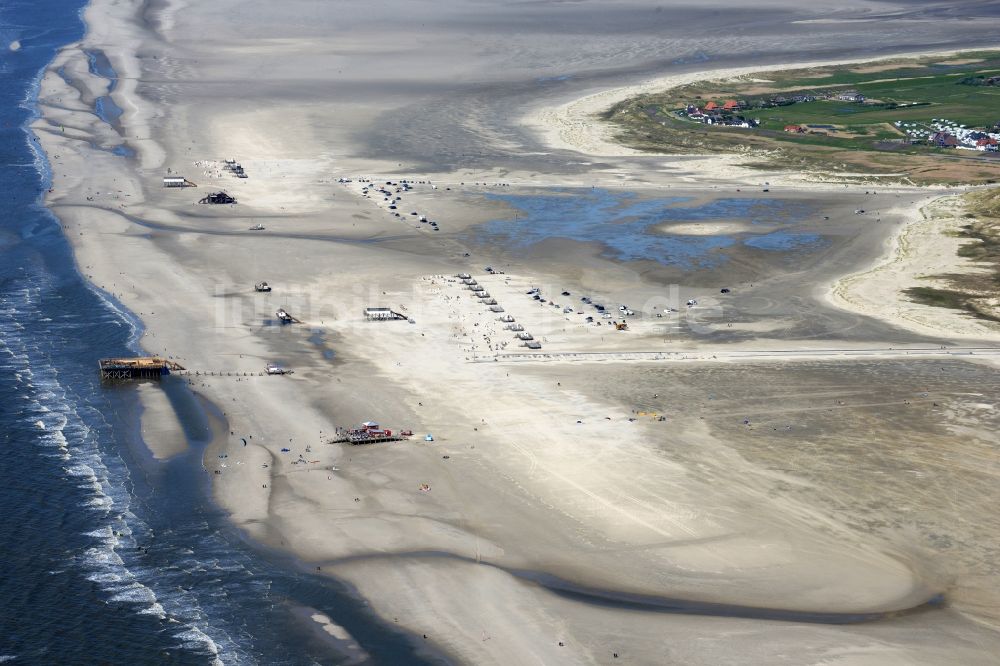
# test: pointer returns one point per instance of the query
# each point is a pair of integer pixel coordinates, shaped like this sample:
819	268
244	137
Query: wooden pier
140	367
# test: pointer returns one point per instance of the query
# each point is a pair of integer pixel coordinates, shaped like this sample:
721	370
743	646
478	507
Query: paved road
735	354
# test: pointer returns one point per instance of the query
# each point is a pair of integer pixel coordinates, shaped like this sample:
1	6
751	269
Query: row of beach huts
511	324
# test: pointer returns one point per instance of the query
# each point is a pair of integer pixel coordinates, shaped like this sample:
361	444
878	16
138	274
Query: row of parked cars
536	294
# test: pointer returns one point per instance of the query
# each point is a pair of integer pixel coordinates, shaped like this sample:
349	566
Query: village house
988	145
944	140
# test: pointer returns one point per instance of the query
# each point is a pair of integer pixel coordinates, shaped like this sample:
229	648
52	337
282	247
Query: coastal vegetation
977	293
888	120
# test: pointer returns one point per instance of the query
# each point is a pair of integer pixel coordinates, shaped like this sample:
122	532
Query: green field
905	91
941	96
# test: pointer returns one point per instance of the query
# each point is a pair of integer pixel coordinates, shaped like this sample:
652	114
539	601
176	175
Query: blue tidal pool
631	228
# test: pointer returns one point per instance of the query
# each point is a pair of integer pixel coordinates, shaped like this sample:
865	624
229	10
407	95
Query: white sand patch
706	228
331	627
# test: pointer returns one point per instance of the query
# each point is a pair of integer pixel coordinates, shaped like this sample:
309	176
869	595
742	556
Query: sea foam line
53	413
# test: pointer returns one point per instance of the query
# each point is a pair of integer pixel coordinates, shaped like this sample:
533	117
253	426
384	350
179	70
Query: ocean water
629	226
108	556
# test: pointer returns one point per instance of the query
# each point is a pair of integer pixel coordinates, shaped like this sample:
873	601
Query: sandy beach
778	460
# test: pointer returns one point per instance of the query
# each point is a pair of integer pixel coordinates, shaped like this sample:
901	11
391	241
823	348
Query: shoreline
161	431
392	515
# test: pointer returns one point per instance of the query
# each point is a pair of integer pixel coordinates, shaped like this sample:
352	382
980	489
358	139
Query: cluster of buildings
940	132
849	96
727	114
944	133
730	112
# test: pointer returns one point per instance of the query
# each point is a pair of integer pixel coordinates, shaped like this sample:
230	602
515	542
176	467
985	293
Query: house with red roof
711	106
944	140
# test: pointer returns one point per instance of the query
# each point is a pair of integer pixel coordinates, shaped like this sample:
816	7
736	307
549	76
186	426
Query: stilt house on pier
149	367
217	198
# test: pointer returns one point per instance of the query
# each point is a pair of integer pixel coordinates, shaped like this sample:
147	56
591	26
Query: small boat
285	318
257	227
262	286
275	369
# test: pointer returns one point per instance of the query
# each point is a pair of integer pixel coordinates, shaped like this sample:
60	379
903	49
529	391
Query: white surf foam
68	427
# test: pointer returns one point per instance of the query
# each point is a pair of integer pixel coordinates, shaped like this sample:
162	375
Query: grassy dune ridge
976	293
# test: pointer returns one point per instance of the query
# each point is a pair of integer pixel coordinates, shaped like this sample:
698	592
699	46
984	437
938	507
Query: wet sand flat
546	518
